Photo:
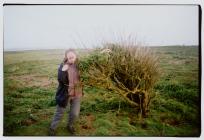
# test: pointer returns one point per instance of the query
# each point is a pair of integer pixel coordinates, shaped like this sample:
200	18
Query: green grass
30	82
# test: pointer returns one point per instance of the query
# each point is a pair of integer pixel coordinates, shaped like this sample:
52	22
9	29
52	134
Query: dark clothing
62	90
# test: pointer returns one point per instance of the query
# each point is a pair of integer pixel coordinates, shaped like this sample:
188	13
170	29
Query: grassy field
30	82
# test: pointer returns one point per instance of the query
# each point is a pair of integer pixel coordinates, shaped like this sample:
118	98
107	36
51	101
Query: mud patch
168	120
88	125
172	122
28	122
89	122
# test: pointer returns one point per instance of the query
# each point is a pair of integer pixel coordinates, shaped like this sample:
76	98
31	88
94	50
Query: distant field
30	82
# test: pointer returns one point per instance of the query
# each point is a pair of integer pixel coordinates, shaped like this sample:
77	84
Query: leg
74	112
58	115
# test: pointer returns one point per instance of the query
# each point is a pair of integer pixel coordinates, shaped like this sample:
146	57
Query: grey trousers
74	105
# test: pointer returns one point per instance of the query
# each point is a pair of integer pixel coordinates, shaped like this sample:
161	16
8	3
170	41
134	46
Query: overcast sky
63	26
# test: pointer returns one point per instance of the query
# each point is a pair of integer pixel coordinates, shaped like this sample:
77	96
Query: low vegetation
30	84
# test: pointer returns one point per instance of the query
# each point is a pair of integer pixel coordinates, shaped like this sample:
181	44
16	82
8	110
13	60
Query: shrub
129	70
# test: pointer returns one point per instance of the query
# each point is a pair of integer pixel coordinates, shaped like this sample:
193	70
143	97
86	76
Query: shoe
51	132
71	129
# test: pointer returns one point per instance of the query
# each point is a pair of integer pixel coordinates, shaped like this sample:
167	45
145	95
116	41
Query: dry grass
33	80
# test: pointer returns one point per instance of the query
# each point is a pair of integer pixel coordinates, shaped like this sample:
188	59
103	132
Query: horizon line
38	49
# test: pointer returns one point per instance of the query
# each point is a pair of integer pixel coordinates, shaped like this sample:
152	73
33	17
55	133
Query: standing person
69	91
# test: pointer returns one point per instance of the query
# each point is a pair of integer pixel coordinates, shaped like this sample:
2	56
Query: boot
51	132
71	129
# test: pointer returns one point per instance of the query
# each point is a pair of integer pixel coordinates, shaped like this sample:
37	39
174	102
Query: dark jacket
62	90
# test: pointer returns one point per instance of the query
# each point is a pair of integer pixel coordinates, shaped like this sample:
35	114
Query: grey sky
62	26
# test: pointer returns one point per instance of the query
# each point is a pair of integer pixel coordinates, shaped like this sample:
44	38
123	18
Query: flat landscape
30	83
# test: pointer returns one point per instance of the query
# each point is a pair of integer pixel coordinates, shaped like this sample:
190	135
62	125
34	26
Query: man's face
71	57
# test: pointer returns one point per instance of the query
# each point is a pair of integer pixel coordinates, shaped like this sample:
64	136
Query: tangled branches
129	70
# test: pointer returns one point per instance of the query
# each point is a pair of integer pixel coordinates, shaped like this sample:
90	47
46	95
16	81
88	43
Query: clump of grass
128	69
185	93
102	131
